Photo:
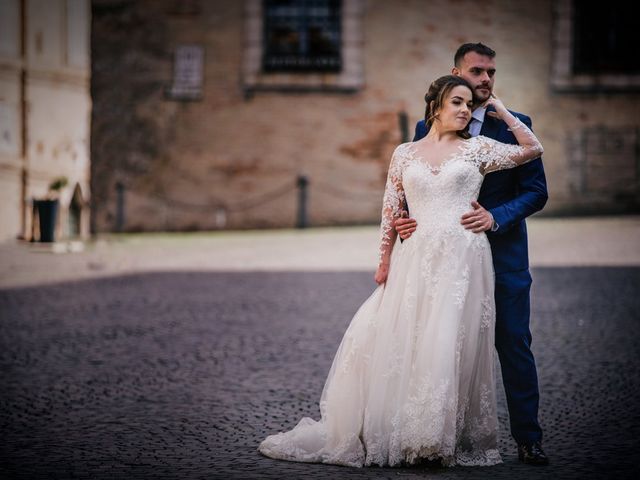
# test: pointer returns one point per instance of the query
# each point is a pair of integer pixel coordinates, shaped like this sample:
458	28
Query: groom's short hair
479	48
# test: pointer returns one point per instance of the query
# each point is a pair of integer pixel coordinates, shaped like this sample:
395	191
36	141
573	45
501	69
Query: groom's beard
483	92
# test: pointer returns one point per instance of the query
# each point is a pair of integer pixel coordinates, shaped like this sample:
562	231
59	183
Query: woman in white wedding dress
413	378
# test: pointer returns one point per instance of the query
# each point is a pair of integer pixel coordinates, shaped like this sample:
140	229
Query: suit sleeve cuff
500	220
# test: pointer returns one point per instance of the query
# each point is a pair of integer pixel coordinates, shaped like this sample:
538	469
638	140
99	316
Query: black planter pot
47	213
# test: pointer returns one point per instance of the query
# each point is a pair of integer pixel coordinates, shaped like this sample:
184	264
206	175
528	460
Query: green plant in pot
48	209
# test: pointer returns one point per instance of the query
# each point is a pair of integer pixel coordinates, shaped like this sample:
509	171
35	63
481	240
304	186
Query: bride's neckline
435	169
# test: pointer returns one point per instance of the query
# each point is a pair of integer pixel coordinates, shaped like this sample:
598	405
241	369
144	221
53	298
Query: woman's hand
496	103
382	273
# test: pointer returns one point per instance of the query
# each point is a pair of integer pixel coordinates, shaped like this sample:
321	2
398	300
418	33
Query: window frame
301	26
563	79
349	79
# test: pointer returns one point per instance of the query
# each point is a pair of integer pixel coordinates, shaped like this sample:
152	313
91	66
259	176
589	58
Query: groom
506	198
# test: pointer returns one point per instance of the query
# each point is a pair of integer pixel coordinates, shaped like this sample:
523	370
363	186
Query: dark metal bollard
119	207
303	183
403	120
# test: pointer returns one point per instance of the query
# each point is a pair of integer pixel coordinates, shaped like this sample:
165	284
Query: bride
413	378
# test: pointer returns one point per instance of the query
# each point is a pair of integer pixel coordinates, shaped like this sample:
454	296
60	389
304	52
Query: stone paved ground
181	374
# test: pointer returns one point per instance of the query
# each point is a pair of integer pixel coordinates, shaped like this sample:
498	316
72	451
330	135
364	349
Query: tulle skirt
413	378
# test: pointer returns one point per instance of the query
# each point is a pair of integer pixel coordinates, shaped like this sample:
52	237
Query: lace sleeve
494	155
393	203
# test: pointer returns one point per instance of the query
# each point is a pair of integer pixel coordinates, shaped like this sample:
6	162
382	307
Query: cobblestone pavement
181	374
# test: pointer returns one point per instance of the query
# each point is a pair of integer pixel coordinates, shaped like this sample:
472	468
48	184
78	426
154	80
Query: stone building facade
44	113
204	118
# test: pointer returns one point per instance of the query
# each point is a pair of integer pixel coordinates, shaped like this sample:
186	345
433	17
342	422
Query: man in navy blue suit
506	198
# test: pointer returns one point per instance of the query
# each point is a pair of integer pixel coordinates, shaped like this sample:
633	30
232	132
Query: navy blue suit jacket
511	196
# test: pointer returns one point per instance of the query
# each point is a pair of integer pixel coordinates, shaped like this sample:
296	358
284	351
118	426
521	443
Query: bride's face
456	110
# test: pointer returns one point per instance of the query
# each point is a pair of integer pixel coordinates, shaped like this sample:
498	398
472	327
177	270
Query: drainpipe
23	120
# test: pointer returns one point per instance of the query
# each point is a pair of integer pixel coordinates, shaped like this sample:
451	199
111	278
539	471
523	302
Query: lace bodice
439	196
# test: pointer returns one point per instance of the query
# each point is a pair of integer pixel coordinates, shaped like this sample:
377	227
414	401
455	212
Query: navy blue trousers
513	343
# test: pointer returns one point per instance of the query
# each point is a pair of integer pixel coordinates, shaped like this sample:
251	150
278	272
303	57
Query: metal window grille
302	36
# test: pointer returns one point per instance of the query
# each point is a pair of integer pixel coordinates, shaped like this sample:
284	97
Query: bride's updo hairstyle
436	95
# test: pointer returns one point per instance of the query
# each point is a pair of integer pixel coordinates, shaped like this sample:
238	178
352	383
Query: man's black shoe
532	454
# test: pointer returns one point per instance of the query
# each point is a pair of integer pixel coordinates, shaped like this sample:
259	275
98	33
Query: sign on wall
187	73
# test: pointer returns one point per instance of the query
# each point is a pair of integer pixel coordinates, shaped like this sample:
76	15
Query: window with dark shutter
593	47
603	38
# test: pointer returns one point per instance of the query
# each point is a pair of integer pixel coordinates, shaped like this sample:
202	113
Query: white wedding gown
413	377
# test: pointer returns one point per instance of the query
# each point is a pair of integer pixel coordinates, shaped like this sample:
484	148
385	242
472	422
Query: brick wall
217	161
